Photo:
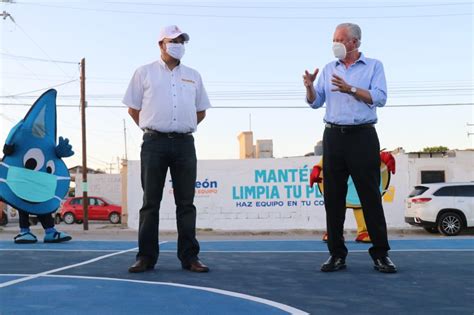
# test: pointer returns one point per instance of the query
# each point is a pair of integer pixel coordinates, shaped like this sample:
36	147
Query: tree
435	149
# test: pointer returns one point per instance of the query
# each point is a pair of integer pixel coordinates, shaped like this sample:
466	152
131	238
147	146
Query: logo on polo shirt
187	80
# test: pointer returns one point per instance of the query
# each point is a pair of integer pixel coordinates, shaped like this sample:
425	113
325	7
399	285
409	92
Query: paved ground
247	277
252	273
105	231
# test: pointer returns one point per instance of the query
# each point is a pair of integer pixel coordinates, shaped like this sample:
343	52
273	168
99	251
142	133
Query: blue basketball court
435	276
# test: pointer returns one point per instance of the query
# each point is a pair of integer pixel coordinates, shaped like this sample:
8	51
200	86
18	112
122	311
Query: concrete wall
273	194
261	194
102	185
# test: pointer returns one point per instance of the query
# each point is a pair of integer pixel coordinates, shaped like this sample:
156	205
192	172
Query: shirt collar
163	64
361	59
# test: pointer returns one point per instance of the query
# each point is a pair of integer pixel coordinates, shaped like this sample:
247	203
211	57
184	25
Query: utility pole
85	200
125	138
110	167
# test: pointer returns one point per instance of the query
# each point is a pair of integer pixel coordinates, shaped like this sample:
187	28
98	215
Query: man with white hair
167	100
352	87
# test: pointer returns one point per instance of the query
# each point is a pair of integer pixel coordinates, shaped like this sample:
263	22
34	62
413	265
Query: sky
251	55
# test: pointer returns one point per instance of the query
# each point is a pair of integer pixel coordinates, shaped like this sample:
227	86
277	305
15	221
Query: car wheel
114	218
450	224
432	230
69	218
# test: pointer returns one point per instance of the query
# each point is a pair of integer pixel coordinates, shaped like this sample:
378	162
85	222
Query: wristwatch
353	90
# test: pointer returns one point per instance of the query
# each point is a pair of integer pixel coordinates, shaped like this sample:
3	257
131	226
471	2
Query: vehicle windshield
418	191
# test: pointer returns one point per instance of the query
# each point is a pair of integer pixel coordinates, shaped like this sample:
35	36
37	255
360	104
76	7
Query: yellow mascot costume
387	166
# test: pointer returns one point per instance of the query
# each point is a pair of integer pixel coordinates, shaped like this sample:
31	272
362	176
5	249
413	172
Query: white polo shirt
167	100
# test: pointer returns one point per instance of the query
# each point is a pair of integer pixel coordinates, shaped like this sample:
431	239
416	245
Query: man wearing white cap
167	100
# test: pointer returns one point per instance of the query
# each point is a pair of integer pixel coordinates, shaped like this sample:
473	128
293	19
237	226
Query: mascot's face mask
33	178
30	185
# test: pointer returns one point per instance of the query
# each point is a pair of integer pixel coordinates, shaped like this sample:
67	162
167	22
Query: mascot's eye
33	159
50	167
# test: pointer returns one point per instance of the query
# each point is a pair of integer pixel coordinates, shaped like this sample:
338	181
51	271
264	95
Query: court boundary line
281	306
243	251
44	273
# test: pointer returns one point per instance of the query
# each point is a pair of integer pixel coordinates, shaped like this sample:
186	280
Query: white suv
444	207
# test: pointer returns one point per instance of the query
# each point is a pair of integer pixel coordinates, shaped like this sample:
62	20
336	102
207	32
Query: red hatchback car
99	209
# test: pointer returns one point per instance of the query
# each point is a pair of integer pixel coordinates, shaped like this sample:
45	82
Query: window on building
428	177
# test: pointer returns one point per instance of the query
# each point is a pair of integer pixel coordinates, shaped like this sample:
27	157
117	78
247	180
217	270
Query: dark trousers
157	155
47	220
353	152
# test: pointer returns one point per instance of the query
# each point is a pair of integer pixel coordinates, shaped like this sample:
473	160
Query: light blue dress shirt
345	109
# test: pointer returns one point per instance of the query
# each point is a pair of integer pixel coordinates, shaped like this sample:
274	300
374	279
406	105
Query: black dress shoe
384	264
334	264
196	266
141	265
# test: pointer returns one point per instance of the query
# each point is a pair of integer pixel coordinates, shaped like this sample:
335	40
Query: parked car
99	209
444	207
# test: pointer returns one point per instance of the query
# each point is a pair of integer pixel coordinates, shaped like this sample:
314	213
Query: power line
24	66
37	59
271	95
304	6
435	84
38	90
39	47
128	12
250	107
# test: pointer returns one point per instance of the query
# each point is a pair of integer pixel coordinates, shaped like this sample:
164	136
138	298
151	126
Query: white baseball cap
172	31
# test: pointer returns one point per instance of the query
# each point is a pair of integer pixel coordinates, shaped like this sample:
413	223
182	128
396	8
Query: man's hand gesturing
308	78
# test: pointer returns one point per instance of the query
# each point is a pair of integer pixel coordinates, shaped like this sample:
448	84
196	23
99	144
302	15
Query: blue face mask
32	186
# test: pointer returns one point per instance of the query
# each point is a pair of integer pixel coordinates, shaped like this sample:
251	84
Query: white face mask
339	50
175	50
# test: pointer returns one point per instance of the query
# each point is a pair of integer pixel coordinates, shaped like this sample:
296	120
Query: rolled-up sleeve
378	86
134	95
320	93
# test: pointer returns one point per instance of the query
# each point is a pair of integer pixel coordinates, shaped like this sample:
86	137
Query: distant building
264	149
73	171
318	148
261	150
247	149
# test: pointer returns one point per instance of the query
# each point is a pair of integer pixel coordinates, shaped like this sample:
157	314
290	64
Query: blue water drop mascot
33	177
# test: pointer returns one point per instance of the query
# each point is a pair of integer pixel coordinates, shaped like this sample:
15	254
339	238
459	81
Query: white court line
57	250
247	251
322	251
256	299
9	283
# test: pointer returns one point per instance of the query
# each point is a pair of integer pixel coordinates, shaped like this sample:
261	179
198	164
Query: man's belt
329	125
167	134
344	128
